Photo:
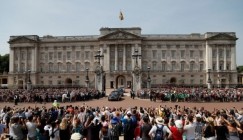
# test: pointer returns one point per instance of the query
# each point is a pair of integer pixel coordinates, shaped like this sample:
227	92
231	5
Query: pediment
222	36
120	35
22	39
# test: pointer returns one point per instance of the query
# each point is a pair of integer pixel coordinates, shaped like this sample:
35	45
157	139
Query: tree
4	63
240	69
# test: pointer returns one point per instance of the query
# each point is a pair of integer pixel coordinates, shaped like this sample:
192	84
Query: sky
86	17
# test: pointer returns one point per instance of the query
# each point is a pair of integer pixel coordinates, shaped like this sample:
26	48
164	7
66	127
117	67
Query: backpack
198	130
79	129
114	131
128	126
159	134
53	134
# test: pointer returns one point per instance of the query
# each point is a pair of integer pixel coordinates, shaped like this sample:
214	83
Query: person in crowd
64	128
158	131
145	128
31	127
189	128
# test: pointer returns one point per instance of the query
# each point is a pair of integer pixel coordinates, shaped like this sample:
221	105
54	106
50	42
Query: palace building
123	57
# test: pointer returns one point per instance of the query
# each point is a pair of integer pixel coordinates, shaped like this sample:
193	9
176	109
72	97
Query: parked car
114	96
121	90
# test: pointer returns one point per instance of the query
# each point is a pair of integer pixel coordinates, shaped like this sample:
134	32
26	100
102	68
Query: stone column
225	60
26	60
116	60
217	62
233	57
19	64
11	60
208	56
124	57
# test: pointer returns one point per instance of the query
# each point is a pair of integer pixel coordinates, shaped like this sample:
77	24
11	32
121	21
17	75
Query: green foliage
4	63
240	69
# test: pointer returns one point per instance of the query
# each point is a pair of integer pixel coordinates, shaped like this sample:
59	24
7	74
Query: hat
76	136
129	112
198	116
159	120
241	112
209	119
178	124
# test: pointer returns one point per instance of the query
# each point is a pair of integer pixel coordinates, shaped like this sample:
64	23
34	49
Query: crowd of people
50	94
192	94
108	123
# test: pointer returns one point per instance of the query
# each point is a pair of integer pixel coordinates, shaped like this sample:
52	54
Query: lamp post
99	83
209	79
87	78
98	56
149	79
136	56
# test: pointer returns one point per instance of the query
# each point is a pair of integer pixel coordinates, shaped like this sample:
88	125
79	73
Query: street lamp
87	78
136	56
98	56
149	79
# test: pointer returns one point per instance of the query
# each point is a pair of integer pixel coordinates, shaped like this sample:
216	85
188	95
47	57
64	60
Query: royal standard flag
121	16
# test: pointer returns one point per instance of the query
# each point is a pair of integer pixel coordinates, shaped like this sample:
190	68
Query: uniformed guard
16	99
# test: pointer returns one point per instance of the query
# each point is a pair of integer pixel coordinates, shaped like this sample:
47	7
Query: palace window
59	55
154	54
191	54
163	68
163	54
221	52
182	66
77	55
87	55
78	66
69	67
59	67
50	67
154	67
201	54
50	55
228	54
173	54
201	66
173	66
183	54
192	66
68	55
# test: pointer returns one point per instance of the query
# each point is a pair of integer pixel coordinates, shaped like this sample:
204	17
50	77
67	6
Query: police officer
16	99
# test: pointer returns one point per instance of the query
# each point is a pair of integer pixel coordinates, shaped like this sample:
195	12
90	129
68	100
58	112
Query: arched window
201	66
87	65
59	67
182	66
78	66
163	68
154	66
192	65
69	67
173	66
50	67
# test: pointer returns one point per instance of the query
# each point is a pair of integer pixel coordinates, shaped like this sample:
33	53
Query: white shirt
56	134
190	131
31	129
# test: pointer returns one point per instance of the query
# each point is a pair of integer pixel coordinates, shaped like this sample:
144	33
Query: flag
121	16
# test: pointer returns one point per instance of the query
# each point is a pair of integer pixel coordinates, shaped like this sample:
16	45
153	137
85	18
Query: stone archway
68	82
173	80
120	81
21	84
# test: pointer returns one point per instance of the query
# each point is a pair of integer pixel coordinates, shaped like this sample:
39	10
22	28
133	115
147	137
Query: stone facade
180	59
